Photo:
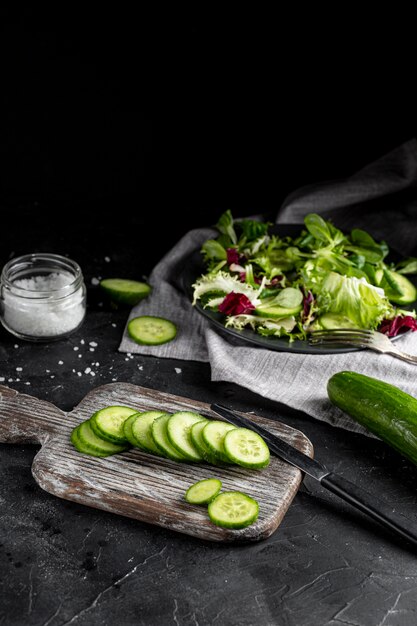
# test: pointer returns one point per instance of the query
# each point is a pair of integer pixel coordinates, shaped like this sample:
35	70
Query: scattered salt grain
80	356
92	373
79	374
178	370
10	380
87	370
140	367
60	362
107	259
114	325
19	369
18	380
48	371
16	345
52	376
91	349
76	348
82	342
95	281
114	380
2	379
93	344
27	383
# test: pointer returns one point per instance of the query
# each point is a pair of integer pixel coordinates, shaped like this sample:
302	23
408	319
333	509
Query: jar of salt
43	297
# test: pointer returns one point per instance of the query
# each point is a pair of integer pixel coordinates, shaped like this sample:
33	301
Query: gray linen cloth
381	198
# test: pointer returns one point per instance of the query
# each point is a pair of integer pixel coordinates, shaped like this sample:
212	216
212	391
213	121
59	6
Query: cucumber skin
382	408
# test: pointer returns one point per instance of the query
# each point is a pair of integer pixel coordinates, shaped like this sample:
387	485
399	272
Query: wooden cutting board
137	484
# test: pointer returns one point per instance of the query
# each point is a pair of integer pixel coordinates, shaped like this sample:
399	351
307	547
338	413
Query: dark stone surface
63	563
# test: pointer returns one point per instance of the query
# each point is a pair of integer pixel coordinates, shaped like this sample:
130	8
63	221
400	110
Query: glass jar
43	297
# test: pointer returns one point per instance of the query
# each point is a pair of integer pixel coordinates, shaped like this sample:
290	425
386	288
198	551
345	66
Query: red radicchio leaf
232	256
236	304
307	302
396	326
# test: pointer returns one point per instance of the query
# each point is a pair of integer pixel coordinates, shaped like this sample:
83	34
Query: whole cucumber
385	410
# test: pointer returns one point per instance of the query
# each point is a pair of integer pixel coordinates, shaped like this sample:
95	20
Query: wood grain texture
137	484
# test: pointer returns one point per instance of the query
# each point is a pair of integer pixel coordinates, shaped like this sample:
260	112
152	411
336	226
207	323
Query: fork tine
344	331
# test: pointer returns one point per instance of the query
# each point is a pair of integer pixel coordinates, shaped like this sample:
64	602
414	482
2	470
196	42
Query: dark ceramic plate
194	268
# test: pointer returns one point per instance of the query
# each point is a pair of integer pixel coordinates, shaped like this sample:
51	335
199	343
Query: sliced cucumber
151	331
398	288
141	430
85	440
275	311
330	321
178	431
124	290
204	491
127	428
160	436
108	423
213	435
246	448
233	509
196	434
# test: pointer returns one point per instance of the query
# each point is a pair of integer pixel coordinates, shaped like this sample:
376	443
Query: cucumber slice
335	320
178	431
85	440
151	331
127	428
213	435
246	448
398	288
233	509
204	491
108	423
196	434
124	290
160	436
141	430
275	311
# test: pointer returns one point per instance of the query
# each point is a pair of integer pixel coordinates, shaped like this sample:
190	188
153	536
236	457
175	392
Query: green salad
291	286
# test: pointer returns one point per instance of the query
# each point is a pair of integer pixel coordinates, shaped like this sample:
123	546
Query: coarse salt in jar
43	297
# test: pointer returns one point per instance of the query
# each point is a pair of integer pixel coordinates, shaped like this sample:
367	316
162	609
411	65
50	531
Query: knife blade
366	502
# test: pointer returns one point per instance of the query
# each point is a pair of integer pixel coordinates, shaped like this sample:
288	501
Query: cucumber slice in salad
151	331
124	290
108	423
233	509
246	448
331	321
203	491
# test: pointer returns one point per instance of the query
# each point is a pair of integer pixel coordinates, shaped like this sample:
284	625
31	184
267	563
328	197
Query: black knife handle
367	503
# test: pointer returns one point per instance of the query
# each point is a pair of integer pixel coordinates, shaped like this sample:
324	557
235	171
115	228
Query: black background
159	122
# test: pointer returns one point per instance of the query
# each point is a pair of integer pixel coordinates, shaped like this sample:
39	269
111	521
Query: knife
356	496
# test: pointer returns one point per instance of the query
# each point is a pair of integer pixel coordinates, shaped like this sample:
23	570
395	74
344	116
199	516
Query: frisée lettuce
287	286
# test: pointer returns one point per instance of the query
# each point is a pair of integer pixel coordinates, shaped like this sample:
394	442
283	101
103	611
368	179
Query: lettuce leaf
355	298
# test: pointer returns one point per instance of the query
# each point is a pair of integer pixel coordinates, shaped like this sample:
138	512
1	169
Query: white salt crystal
19	369
16	345
87	370
2	379
79	374
93	344
60	362
75	348
107	259
82	342
114	325
178	370
95	281
91	349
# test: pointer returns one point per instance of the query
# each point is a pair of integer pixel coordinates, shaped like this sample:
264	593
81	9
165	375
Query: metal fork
359	338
